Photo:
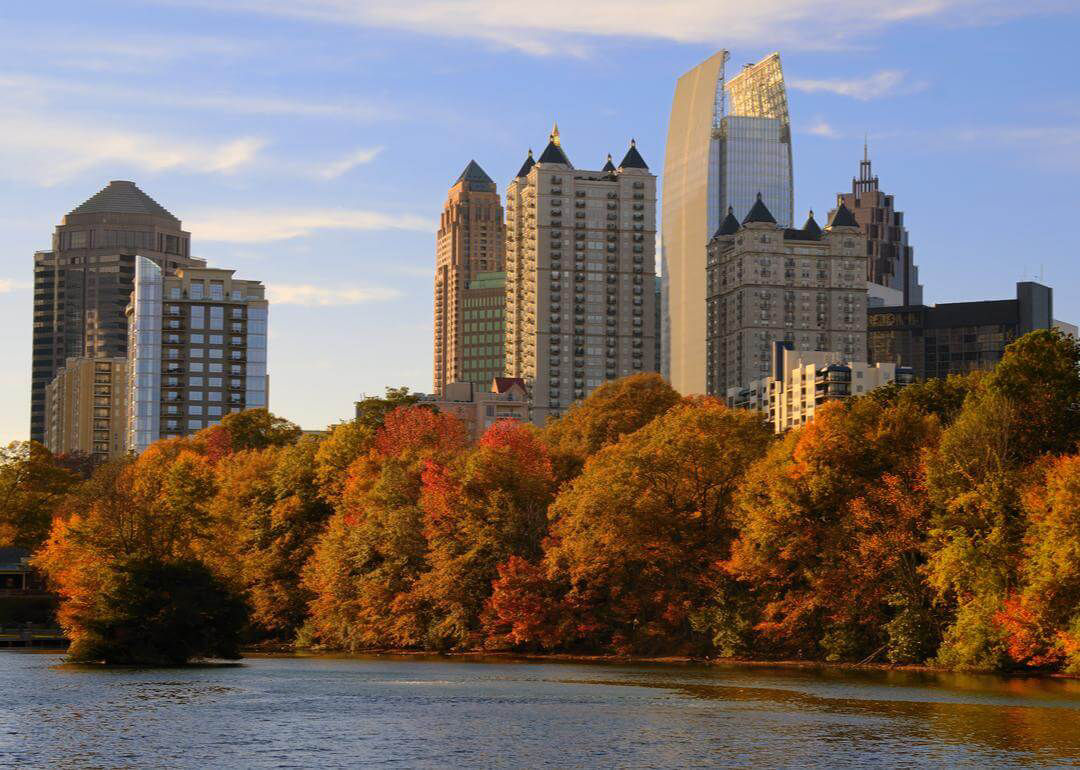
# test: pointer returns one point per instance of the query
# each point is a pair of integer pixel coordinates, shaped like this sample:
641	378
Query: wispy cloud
348	163
566	27
269	226
820	128
879	85
49	149
7	285
326	296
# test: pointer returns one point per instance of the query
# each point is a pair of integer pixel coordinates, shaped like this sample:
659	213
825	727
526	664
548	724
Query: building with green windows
483	328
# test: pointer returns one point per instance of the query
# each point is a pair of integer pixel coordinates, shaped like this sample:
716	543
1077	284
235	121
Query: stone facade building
470	255
506	399
196	351
85	408
767	283
82	285
580	275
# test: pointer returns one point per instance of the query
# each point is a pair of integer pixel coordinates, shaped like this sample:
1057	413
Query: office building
769	283
956	337
580	275
85	408
727	142
470	256
802	381
893	278
505	399
196	351
82	285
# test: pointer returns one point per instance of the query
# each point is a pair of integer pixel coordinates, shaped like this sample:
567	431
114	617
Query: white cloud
564	27
820	128
348	163
51	149
8	285
267	226
880	85
325	296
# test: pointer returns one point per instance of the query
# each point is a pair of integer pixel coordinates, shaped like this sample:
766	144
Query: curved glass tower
726	143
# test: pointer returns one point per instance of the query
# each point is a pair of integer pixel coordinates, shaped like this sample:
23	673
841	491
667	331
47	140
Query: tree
250	429
830	524
637	537
347	442
372	411
32	484
153	612
484	507
611	411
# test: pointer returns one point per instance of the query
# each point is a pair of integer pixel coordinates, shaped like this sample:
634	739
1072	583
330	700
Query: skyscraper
470	256
82	285
196	351
893	278
768	283
86	408
580	275
727	142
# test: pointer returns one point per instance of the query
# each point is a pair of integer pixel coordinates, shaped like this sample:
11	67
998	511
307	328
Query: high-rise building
82	285
196	351
727	142
890	266
85	408
767	283
580	275
470	255
957	337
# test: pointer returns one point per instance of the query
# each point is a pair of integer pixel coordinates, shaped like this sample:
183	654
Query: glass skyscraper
727	141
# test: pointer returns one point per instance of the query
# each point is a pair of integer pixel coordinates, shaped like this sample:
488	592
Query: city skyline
342	163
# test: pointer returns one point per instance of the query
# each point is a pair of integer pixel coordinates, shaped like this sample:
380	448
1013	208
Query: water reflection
414	712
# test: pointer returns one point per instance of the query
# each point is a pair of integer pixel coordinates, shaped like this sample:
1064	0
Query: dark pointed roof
809	232
123	197
473	173
633	158
609	166
759	212
527	165
553	153
811	227
730	225
843	217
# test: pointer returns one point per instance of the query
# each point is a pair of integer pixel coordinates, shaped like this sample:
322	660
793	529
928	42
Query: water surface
330	712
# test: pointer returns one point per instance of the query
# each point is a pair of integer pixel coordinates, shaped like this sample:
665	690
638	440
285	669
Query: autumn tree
485	507
830	534
637	537
365	565
32	483
615	409
249	429
1022	414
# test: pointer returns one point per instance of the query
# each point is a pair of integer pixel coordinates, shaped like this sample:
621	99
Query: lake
327	712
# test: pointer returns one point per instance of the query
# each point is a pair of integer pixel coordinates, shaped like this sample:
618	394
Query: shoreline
667	660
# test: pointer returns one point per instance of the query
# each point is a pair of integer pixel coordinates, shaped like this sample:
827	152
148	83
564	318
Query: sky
310	143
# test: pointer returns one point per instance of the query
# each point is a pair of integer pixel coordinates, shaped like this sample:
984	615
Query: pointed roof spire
866	147
759	212
633	158
527	165
609	166
843	217
122	197
473	173
553	153
811	227
730	225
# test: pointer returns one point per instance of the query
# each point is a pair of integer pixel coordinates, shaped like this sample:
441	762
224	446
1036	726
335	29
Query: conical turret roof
553	153
123	197
527	165
473	173
759	212
843	217
730	225
811	227
633	158
609	166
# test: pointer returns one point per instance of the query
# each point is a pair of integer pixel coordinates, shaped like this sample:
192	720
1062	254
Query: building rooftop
730	225
527	165
633	158
553	153
473	173
123	197
843	217
609	166
759	212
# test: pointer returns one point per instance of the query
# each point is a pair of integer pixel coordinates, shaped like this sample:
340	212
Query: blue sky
310	143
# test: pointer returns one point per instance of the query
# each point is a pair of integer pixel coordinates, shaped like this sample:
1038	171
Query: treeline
935	523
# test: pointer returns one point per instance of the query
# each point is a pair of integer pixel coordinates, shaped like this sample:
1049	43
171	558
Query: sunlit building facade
196	351
727	142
